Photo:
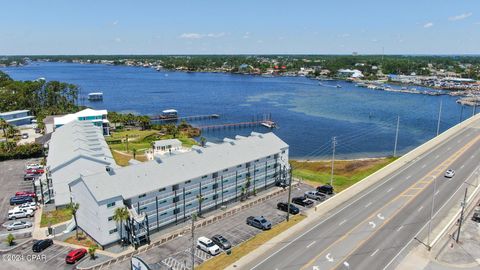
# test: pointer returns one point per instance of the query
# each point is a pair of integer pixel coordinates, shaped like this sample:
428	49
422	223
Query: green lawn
346	172
55	217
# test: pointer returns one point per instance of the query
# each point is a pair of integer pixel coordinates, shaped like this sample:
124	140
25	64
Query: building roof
74	116
13	112
76	148
149	176
161	143
169	111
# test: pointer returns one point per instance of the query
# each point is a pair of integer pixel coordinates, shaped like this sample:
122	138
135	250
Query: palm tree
4	125
121	215
203	141
247	186
11	131
200	199
73	207
91	251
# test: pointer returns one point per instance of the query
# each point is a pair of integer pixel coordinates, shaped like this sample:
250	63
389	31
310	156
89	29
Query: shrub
12	151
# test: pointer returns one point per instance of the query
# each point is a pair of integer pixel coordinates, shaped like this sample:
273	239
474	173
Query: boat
269	124
169	114
339	86
95	96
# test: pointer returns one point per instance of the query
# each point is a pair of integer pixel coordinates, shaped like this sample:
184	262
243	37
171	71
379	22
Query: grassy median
346	172
55	216
223	261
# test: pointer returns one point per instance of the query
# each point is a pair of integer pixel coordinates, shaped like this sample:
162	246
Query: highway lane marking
372	224
395	174
424	165
420	209
436	193
399	228
341	223
437	156
375	252
329	257
311	244
408	177
449	148
368	204
463	166
390	189
380	216
454	157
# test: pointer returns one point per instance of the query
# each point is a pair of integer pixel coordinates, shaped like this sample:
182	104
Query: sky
33	27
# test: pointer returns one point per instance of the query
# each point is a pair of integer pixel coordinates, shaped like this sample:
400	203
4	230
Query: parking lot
176	254
24	258
11	181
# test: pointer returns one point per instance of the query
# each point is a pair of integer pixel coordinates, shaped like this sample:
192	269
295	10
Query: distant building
97	117
17	118
350	73
164	191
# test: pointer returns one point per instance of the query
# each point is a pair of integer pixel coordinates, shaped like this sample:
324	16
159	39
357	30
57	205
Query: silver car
315	195
17	225
449	173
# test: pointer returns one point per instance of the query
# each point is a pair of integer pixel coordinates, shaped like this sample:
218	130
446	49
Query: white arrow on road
372	224
380	216
329	258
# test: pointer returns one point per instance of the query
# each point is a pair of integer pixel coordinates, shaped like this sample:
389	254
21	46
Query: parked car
25	136
34	171
281	184
17	225
221	241
303	201
325	189
25	193
41	245
315	195
19	213
259	222
449	173
283	206
75	255
33	166
476	217
28	177
27	206
20	200
207	245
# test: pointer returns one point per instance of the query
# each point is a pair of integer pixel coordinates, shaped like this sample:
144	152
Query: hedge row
13	151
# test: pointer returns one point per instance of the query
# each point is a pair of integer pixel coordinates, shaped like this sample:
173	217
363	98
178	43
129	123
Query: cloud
246	35
115	22
460	17
200	36
118	40
428	25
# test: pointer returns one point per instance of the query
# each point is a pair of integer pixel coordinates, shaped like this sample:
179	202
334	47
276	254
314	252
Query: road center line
368	204
420	209
424	165
437	156
463	166
341	223
375	252
311	244
408	177
437	192
399	228
390	189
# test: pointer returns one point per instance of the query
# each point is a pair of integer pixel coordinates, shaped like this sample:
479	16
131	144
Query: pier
158	119
266	123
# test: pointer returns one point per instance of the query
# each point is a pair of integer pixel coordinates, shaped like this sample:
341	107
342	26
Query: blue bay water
308	114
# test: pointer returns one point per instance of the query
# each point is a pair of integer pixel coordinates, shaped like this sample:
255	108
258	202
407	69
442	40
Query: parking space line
58	253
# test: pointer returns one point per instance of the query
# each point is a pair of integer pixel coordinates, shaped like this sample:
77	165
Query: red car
35	171
25	193
75	255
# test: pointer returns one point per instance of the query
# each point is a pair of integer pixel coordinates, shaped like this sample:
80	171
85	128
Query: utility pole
439	116
334	144
461	215
289	193
194	217
431	213
396	137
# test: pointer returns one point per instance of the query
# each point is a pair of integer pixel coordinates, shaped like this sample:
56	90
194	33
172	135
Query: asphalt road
374	229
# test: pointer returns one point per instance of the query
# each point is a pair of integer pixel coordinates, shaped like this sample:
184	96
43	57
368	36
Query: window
143	208
163	214
110	218
247	165
164	201
188	182
188	193
205	187
215	175
141	196
176	211
225	191
239	166
215	186
283	152
215	196
275	156
175	187
205	176
112	231
162	189
226	170
269	156
176	199
111	204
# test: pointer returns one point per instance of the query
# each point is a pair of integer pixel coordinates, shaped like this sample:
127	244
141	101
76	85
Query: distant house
97	117
350	73
17	118
165	146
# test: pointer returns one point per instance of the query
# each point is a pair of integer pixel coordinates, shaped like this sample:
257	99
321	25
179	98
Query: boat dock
159	119
266	123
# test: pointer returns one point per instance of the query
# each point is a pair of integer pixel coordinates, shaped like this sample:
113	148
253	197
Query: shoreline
329	160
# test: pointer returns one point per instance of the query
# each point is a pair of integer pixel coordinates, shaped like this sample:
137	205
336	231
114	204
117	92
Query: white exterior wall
92	216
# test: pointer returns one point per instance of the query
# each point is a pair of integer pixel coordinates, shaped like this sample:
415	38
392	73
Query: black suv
325	189
283	206
221	241
41	245
282	184
303	201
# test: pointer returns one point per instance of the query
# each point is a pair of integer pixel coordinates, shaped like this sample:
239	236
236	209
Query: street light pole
334	144
396	137
439	116
289	193
431	213
194	217
461	215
